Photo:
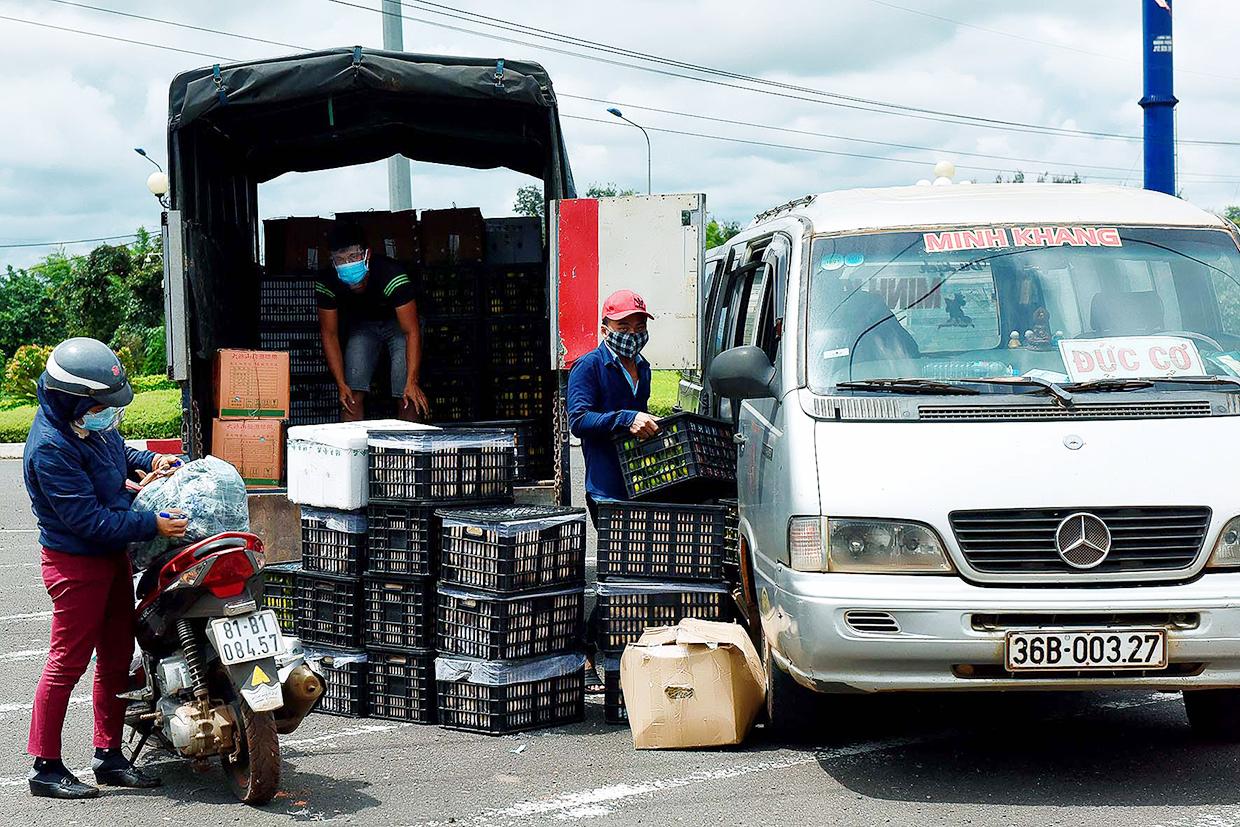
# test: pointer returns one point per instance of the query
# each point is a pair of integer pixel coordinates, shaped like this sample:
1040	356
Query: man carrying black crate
372	301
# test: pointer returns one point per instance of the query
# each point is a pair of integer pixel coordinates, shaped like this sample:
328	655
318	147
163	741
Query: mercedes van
986	441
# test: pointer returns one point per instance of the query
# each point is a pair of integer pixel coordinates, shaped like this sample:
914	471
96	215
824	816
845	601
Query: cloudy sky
76	104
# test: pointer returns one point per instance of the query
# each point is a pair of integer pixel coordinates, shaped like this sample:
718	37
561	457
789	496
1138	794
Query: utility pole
1159	101
399	195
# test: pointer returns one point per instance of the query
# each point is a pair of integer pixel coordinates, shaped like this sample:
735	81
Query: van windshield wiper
926	386
1141	384
1061	394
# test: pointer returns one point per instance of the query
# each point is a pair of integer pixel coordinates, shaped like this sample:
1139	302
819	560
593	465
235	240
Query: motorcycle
216	676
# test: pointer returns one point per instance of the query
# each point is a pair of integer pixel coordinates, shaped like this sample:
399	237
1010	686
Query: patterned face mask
627	344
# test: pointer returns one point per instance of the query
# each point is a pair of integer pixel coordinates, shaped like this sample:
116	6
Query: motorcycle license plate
248	637
1087	649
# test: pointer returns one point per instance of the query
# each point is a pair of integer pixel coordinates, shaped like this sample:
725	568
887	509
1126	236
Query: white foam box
327	464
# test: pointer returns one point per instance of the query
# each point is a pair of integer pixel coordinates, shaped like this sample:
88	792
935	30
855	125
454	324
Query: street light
614	111
156	182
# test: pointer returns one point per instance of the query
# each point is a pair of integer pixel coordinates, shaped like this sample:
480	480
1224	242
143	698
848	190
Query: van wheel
1214	714
787	702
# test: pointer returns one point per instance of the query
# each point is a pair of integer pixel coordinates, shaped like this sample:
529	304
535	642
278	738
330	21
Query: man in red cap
608	390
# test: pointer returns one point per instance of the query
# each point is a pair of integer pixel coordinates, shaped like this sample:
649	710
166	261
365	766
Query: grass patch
664	386
152	415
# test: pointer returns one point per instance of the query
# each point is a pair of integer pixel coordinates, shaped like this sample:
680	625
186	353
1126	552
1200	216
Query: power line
179	25
66	243
112	37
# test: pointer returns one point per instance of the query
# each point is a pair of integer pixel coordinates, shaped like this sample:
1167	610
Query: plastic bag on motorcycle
208	490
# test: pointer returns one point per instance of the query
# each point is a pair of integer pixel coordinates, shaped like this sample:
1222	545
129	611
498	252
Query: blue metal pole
1159	100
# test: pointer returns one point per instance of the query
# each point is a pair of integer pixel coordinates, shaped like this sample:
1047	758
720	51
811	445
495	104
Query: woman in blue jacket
75	466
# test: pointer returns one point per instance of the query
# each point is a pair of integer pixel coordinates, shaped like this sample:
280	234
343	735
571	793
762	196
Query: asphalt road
1089	759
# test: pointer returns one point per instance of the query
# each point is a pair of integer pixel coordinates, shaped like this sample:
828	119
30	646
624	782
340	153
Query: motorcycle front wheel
254	775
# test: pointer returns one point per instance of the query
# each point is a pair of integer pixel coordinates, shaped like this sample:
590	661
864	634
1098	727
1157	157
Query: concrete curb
13	450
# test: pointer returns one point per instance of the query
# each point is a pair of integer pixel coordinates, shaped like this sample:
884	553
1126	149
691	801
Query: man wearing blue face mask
370	306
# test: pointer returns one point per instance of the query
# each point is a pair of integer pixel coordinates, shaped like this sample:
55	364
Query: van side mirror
743	373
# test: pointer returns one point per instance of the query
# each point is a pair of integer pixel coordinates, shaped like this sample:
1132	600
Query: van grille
1080	410
871	622
1022	541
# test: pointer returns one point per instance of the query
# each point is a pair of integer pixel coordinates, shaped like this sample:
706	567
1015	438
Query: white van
987	440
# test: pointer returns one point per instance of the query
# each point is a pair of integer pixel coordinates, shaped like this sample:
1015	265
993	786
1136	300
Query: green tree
94	294
1232	214
718	233
530	202
27	311
143	283
608	190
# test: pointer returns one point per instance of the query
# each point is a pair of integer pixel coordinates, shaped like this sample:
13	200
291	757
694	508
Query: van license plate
249	637
1087	649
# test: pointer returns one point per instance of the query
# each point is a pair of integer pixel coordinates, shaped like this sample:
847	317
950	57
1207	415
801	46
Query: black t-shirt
387	287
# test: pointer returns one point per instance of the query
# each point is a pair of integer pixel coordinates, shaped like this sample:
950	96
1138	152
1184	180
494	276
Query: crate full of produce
280	594
663	541
401	685
399	612
460	464
513	548
691	456
627	608
509	627
344	680
329	609
499	697
525	434
333	541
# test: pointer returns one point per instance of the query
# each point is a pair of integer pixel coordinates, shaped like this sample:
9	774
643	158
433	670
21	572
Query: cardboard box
255	447
452	236
392	234
514	240
251	384
296	245
696	684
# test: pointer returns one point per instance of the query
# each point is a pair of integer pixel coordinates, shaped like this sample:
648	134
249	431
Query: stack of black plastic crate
511	601
662	555
412	475
288	322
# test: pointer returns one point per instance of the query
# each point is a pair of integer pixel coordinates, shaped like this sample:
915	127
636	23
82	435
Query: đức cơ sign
1130	357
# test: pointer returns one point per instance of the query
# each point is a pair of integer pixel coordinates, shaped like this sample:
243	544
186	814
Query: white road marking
350	732
19	531
22	655
27	616
5	709
601	801
19	565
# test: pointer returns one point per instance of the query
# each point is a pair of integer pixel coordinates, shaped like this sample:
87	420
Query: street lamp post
614	111
156	182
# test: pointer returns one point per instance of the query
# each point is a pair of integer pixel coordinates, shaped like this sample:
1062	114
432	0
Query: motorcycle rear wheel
255	776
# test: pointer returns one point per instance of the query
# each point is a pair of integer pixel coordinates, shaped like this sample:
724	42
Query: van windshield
1060	303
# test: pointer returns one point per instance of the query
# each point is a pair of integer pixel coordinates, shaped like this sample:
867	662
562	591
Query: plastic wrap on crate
619	587
452	439
336	657
524	431
450	668
350	522
513	548
208	490
333	541
343	673
456	464
511	520
327	465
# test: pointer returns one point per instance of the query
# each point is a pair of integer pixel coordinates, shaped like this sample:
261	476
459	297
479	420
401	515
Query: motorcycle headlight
1226	552
860	546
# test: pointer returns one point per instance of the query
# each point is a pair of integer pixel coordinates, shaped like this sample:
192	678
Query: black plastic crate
329	609
663	541
626	609
515	289
332	541
459	464
689	456
731	532
513	548
314	403
304	345
280	594
497	627
448	292
404	538
344	680
516	342
451	344
399	612
496	698
400	686
287	300
523	394
453	397
614	711
524	431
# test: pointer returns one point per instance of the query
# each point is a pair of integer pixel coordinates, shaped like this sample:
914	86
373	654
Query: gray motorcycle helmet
87	367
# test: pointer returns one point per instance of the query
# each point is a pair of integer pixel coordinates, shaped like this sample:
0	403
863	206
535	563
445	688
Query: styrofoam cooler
327	463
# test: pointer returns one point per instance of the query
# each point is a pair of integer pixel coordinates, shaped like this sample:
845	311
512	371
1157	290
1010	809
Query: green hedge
153	415
664	386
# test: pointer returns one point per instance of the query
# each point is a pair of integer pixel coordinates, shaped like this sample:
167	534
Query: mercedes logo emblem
1083	540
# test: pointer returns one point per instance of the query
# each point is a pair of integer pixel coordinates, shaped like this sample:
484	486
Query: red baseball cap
624	303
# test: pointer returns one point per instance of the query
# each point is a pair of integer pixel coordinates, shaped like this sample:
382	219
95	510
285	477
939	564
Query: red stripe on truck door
577	242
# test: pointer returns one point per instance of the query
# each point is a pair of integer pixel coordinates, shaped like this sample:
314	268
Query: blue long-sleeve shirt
601	404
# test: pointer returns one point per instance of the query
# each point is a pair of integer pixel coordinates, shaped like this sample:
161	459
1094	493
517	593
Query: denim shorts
367	340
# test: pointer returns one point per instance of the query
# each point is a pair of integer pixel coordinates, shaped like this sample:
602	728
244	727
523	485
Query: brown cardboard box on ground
696	684
296	245
251	384
255	447
391	234
452	236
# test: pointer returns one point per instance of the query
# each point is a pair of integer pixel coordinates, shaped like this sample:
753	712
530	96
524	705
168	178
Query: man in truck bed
370	306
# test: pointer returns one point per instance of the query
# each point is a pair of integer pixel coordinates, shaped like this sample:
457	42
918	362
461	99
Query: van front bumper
945	640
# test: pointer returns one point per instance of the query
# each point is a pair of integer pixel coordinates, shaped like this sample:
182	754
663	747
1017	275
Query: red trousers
92	610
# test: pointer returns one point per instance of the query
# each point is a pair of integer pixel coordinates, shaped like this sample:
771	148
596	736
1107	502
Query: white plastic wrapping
512	520
505	672
335	658
208	490
350	522
616	587
450	440
487	597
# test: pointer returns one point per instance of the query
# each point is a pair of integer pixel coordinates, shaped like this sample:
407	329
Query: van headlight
865	547
1226	552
